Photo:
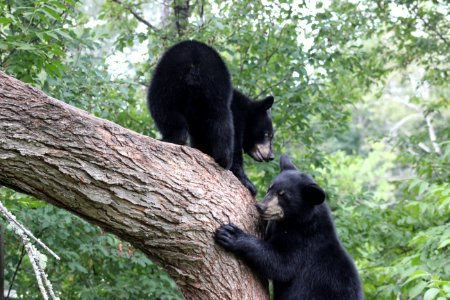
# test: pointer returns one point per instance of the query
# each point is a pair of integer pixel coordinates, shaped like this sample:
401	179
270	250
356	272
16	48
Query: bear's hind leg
174	129
220	134
214	136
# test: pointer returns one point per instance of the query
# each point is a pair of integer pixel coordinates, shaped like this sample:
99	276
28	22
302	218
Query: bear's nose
260	207
271	156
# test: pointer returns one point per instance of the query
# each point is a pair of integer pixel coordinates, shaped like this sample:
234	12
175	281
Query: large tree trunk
166	200
181	13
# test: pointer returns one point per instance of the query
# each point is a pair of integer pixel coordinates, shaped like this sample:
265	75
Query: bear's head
259	131
291	196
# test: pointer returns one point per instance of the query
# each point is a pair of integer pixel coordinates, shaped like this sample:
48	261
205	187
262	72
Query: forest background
361	103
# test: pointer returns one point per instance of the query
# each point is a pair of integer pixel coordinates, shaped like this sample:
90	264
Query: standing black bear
301	252
191	94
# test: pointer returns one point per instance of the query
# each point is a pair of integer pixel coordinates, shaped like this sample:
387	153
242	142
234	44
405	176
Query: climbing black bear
191	95
301	252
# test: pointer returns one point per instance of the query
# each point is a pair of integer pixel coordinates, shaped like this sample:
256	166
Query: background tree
362	95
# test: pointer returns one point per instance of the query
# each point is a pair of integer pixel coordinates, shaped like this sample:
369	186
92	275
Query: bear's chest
283	241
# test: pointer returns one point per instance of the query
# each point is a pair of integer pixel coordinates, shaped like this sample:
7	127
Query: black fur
191	95
301	252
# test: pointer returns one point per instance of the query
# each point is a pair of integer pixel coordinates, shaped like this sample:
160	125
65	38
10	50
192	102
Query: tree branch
137	16
181	10
402	122
166	200
417	15
428	118
432	134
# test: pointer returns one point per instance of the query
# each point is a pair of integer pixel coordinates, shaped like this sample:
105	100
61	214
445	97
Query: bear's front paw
227	236
250	186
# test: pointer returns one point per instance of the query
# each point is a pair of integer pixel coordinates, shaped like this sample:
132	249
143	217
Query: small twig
12	219
415	11
424	147
36	258
45	286
22	254
273	85
137	16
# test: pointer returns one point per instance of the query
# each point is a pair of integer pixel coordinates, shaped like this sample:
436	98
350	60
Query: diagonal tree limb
165	199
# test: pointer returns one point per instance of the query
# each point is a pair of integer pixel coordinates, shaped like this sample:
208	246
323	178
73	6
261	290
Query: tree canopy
361	102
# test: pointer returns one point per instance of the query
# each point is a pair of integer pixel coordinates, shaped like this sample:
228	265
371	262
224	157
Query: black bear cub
191	95
301	252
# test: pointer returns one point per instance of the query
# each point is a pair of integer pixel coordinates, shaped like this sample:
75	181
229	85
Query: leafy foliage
93	265
361	102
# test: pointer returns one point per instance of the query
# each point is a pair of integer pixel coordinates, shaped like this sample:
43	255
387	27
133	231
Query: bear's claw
227	235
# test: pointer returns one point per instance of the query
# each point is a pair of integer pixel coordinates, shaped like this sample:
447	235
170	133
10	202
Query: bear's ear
266	103
286	163
314	193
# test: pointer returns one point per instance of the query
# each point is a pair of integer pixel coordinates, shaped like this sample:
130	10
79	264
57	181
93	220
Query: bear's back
192	63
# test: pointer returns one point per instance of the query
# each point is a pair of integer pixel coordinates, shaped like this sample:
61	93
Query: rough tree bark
166	200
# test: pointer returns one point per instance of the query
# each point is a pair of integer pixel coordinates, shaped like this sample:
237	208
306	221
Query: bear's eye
266	134
281	193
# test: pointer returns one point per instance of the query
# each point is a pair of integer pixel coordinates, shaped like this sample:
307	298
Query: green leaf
24	46
430	294
49	11
416	290
42	76
444	243
64	34
4	20
423	187
415	275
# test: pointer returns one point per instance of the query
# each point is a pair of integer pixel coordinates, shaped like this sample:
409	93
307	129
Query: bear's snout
269	208
260	207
